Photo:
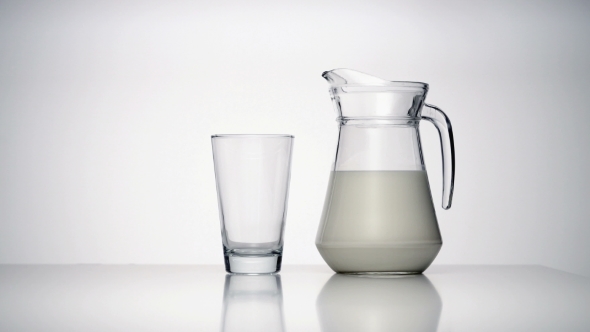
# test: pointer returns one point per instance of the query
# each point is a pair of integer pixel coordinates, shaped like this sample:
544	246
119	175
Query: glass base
253	264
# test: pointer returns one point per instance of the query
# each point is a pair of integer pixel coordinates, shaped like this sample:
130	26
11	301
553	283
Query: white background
106	109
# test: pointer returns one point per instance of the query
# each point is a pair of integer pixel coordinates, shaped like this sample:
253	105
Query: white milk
378	221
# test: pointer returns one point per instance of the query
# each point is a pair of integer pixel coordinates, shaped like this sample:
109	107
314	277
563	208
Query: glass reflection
252	303
378	303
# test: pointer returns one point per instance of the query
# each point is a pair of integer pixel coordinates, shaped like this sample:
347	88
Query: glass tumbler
252	173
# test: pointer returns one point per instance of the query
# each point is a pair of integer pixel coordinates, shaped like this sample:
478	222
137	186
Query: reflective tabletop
300	298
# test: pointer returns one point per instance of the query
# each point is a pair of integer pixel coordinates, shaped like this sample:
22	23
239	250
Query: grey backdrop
106	109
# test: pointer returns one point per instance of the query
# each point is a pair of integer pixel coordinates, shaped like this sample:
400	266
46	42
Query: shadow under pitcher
378	214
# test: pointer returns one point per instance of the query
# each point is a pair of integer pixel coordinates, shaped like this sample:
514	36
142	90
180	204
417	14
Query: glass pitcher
378	214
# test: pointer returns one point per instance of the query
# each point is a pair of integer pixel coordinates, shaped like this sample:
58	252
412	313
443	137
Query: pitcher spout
343	76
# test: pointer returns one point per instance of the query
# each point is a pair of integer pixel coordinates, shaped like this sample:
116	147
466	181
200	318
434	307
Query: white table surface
300	298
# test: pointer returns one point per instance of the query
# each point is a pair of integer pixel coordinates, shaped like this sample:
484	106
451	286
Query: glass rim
252	136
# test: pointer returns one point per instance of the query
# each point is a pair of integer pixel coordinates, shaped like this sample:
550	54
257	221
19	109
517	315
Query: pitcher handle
445	132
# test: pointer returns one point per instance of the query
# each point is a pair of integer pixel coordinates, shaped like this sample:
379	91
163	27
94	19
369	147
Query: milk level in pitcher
378	221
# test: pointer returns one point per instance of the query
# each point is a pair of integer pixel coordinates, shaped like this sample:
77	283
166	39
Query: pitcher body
378	213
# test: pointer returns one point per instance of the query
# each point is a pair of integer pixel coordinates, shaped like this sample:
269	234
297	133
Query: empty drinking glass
252	174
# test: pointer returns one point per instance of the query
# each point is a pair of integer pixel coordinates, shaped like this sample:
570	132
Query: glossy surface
301	298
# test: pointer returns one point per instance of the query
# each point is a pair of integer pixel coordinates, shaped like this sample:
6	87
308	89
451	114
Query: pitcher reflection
252	303
378	303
